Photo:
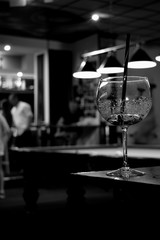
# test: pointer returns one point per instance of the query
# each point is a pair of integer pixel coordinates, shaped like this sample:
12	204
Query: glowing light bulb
7	47
95	17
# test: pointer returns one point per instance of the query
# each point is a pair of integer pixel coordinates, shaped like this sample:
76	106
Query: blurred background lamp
7	47
86	70
158	58
19	74
95	17
110	65
140	60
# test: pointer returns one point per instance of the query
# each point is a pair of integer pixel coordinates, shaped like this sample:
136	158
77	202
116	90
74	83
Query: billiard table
52	165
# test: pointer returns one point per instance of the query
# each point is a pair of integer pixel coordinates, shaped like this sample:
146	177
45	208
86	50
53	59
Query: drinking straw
125	72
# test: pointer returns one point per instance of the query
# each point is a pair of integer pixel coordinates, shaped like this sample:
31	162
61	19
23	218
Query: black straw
125	71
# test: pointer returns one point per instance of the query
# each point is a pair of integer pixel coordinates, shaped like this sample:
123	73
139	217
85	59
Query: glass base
125	172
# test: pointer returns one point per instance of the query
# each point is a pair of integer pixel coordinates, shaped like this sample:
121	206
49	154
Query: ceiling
69	20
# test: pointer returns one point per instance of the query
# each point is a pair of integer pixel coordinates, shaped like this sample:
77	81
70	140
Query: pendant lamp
157	58
110	65
86	70
140	60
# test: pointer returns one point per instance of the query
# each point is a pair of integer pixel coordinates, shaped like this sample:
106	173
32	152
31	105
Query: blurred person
6	112
4	137
71	115
66	133
22	116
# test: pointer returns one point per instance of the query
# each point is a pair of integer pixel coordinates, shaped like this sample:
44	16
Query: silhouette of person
66	125
6	108
4	137
22	116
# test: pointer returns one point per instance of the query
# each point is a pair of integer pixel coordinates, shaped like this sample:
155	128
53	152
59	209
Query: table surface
144	151
151	176
116	152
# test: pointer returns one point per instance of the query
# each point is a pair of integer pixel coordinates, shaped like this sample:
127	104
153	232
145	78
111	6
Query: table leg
30	188
75	193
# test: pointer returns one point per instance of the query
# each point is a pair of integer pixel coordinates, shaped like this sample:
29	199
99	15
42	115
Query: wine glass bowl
124	112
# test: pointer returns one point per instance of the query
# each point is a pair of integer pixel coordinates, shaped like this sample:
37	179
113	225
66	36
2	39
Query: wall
27	63
11	63
14	64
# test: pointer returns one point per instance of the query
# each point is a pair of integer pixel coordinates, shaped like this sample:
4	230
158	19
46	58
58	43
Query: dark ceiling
69	20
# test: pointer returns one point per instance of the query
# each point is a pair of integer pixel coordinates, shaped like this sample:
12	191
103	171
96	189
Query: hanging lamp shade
86	70
140	60
110	65
157	58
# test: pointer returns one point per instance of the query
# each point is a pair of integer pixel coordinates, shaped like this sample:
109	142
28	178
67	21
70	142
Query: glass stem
124	142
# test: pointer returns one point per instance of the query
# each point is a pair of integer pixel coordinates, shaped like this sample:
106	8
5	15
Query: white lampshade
110	66
141	60
87	71
158	58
